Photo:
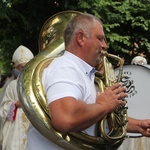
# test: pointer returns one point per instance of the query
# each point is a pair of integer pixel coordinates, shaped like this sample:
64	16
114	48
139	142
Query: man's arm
139	126
71	115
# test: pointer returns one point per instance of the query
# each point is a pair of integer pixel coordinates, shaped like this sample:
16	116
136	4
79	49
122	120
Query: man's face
94	44
19	67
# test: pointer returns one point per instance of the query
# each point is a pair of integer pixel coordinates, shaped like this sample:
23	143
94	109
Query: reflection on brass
33	99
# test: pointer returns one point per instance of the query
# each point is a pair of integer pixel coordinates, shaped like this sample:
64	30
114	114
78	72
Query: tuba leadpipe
119	115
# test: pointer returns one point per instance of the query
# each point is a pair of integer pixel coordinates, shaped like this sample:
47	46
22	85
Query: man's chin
99	61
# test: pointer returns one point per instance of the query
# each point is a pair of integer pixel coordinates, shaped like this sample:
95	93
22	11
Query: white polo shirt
66	76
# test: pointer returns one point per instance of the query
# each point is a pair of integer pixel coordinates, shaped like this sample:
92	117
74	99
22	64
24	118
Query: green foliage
20	23
126	24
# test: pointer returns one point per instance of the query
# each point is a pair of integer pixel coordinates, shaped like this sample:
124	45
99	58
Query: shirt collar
85	67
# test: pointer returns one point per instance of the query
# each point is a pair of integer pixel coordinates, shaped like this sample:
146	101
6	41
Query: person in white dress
14	122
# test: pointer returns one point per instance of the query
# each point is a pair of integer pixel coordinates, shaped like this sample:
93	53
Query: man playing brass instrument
68	82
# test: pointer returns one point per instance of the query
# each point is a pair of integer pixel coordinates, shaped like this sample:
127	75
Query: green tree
20	23
126	24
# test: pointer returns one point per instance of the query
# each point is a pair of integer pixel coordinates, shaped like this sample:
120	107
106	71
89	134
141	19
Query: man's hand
111	98
17	104
144	127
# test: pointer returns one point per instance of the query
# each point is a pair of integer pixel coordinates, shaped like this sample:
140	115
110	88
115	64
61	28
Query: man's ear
80	37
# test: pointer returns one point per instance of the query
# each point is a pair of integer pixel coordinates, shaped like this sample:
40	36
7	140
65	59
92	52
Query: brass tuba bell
33	100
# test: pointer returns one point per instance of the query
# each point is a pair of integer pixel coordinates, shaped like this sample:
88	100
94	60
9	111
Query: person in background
139	60
137	143
74	105
4	78
7	78
14	121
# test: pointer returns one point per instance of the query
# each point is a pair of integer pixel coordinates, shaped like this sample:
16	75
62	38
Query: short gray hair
81	21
